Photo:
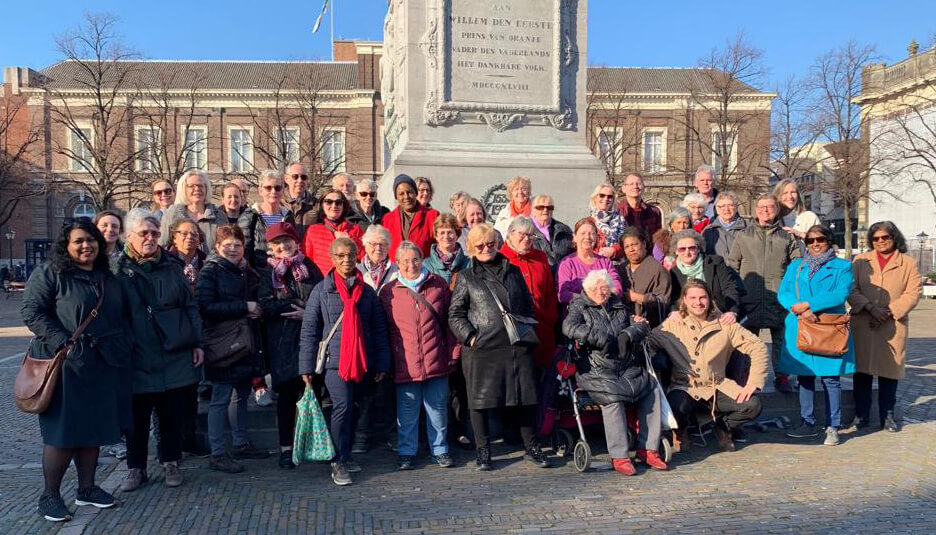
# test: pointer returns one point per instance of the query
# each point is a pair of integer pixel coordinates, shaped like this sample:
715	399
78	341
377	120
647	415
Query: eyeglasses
817	239
486	245
187	234
545	208
690	249
161	192
605	196
367	194
378	245
300	177
527	235
881	239
148	233
272	188
330	202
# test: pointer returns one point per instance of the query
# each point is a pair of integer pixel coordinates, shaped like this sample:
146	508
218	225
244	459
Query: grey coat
760	256
718	239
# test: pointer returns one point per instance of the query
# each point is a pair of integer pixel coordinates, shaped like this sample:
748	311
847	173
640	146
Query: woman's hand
799	308
728	318
307	378
636	297
809	316
198	356
607	252
639	319
880	314
295	314
253	310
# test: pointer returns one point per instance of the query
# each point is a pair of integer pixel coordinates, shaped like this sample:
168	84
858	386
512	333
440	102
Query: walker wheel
582	456
666	449
562	443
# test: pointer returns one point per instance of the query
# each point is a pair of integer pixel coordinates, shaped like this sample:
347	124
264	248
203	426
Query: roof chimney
913	48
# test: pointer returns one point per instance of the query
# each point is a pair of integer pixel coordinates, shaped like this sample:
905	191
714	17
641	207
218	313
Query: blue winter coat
321	312
827	291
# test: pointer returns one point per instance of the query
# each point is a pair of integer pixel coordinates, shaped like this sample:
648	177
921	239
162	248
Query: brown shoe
724	439
135	478
172	474
681	440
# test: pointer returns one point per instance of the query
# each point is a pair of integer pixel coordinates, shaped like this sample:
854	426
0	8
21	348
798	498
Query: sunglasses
545	208
272	188
300	177
148	233
162	192
487	245
330	202
367	194
605	196
881	239
690	249
817	239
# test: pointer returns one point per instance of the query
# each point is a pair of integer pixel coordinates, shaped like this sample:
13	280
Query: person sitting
573	268
691	263
646	282
409	221
614	372
699	347
552	237
608	221
679	219
518	193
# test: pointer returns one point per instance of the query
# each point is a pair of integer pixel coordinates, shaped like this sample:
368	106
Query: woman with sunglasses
332	223
255	220
162	196
693	263
818	282
552	237
367	209
608	221
887	288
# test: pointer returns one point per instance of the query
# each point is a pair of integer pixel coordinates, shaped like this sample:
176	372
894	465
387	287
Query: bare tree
16	144
95	112
613	126
793	130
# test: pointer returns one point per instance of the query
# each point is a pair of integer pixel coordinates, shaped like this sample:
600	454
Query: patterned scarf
145	262
376	272
352	363
816	262
694	271
446	258
293	264
192	267
610	224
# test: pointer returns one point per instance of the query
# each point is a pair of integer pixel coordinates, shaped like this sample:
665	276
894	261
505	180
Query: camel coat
882	351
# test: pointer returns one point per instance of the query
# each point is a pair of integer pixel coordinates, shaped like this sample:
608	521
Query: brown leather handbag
37	379
827	337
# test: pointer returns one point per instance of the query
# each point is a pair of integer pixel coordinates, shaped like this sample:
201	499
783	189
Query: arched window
84	209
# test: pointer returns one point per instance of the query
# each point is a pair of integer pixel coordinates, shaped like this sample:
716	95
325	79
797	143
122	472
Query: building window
720	149
83	209
196	148
333	151
609	147
148	139
241	150
286	146
654	150
80	143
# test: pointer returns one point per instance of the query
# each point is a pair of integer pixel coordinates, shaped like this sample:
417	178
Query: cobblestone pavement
874	482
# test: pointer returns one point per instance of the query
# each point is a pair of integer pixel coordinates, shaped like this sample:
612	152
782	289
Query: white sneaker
263	397
831	437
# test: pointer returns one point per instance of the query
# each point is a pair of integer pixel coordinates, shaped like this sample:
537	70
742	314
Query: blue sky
621	32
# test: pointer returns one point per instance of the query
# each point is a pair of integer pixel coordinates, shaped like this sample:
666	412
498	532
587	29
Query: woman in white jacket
794	217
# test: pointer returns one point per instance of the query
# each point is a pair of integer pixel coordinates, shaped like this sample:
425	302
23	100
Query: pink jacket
421	343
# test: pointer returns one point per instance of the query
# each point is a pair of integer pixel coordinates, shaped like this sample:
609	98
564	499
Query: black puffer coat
558	246
613	369
222	292
497	373
282	335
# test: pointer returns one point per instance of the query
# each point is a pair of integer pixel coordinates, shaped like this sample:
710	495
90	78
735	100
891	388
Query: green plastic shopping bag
311	441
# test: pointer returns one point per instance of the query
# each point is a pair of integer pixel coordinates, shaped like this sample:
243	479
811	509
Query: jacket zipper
422	367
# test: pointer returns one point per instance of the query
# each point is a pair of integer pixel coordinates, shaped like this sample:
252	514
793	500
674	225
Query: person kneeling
613	373
699	346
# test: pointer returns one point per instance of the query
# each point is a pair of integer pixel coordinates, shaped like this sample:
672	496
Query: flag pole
332	24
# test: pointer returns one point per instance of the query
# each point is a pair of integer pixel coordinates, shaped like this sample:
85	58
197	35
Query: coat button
697	353
695	338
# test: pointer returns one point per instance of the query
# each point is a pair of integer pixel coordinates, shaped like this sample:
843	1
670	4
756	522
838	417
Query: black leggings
523	416
289	393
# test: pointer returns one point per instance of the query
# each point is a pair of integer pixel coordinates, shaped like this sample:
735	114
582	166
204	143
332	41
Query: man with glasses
760	255
367	209
552	237
634	210
705	186
302	204
163	197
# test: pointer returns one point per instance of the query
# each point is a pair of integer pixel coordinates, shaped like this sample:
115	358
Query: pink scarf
281	266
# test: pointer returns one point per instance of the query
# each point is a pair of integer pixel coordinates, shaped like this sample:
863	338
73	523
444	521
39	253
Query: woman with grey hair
193	201
255	220
693	263
696	204
679	219
720	234
614	372
367	210
163	316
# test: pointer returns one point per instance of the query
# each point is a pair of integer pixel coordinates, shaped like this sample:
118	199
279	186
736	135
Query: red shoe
624	466
651	458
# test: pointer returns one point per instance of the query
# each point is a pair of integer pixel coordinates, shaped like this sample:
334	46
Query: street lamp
10	234
922	236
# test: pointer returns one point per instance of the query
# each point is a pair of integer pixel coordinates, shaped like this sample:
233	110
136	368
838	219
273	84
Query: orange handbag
827	337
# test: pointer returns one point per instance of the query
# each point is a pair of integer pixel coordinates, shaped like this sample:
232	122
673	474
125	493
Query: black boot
484	459
535	455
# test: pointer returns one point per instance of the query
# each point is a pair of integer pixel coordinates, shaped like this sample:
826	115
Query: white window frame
294	132
183	133
662	166
732	159
81	149
343	164
80	204
153	155
617	132
247	164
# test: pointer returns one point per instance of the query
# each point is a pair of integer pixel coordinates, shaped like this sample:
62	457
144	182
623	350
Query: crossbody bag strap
331	334
494	295
424	301
796	280
94	312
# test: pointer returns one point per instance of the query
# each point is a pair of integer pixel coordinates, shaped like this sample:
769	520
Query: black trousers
523	417
729	412
887	395
376	413
289	392
459	419
170	407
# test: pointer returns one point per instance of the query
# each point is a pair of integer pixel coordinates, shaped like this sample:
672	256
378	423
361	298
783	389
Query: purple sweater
572	272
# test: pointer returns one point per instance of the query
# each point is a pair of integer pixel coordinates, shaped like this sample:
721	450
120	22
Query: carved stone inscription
502	52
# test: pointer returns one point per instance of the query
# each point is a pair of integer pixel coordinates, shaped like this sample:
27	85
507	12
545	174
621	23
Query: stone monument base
568	174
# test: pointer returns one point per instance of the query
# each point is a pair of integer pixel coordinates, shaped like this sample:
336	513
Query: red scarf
525	211
352	364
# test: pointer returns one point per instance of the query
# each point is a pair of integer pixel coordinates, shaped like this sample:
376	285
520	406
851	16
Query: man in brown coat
301	203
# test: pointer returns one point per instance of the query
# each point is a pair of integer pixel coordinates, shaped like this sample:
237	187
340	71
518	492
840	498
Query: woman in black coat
614	371
498	374
284	290
227	290
89	407
688	246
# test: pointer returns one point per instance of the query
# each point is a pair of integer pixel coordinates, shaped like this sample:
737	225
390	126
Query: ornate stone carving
561	120
435	116
494	200
500	121
429	44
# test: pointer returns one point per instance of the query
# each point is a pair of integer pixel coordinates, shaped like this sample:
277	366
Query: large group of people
398	315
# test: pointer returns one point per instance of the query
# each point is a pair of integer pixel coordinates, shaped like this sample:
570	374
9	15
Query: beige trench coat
881	351
699	353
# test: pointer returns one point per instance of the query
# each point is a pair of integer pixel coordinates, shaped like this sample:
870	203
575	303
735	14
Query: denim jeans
218	414
831	388
433	395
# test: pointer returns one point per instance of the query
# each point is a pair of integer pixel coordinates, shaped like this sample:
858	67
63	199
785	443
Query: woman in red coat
534	265
333	214
409	221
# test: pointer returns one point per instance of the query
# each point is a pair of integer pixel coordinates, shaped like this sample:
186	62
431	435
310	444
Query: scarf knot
610	224
413	284
293	264
694	271
352	360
